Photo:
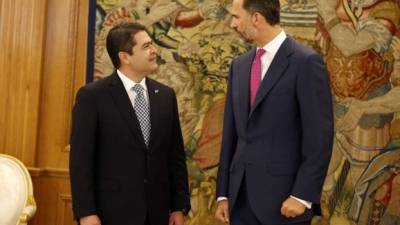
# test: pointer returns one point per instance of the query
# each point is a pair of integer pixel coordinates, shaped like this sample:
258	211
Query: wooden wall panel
42	64
52	192
64	68
22	25
64	209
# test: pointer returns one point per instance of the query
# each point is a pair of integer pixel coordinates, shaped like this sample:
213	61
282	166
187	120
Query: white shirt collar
273	46
128	83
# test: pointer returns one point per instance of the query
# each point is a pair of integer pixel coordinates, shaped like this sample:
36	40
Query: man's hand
222	212
176	218
90	220
292	208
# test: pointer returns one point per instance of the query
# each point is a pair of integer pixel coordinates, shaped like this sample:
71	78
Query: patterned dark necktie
142	111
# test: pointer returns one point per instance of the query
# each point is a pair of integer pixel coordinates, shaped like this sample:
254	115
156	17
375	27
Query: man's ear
123	57
257	19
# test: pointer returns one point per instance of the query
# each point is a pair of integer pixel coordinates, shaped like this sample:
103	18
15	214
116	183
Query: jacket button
145	180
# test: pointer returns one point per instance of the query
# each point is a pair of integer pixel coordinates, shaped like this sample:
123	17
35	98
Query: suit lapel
275	71
155	103
124	106
244	85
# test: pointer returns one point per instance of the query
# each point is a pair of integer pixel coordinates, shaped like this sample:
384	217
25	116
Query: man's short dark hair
270	9
121	38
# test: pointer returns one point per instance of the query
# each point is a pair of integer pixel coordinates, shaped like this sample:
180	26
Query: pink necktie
255	79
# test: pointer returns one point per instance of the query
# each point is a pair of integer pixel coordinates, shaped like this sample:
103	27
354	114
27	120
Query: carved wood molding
49	172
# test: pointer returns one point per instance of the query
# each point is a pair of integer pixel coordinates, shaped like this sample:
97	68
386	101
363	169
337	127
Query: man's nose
153	49
233	24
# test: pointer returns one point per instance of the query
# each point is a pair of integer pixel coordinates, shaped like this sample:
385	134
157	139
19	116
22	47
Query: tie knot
138	89
260	52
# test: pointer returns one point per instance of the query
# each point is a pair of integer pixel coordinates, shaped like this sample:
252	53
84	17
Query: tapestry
360	43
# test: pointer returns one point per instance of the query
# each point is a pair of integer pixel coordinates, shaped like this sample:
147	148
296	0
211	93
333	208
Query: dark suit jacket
284	143
113	173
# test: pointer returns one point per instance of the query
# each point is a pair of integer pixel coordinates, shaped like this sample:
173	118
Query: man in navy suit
278	125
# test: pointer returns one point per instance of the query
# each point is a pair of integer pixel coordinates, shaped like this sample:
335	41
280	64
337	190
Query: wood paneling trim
64	207
70	70
48	172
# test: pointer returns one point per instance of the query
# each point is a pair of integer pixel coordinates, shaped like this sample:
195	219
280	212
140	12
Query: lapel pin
156	91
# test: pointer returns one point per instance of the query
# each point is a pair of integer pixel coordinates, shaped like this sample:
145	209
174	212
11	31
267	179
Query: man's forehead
236	6
237	3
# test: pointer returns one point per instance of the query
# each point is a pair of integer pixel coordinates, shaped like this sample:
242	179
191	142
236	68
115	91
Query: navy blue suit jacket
284	143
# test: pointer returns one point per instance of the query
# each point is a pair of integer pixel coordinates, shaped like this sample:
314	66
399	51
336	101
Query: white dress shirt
128	84
271	48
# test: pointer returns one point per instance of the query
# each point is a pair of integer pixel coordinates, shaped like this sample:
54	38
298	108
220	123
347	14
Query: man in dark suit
127	161
278	127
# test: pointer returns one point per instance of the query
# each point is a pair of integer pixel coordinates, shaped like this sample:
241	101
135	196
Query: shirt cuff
221	199
307	204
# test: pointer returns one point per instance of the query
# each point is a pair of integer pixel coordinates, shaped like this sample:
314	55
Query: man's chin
244	39
154	69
